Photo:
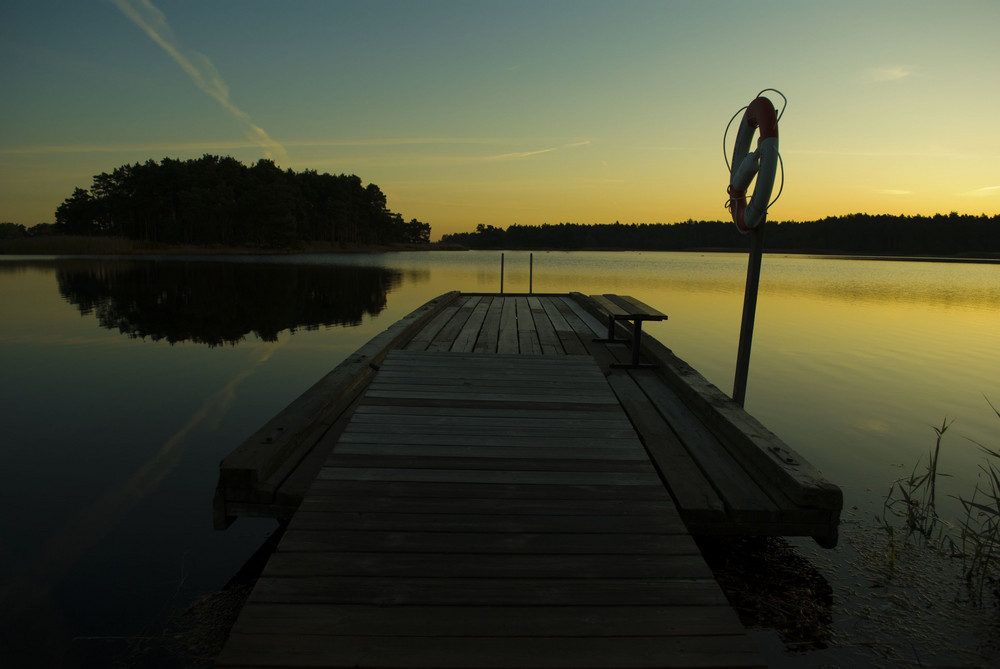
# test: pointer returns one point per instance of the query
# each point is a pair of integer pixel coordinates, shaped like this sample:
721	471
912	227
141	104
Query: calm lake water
124	382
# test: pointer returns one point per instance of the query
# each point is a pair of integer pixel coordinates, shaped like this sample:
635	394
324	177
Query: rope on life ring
762	163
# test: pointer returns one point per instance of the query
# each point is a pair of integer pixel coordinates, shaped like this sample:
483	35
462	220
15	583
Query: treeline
10	230
860	234
220	201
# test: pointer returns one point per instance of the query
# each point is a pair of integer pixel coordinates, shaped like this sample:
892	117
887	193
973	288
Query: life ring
763	163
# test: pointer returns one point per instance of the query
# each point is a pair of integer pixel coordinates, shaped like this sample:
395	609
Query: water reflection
217	303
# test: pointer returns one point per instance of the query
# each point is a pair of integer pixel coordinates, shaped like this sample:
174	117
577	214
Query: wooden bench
627	308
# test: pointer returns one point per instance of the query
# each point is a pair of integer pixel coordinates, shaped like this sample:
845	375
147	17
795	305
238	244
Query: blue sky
503	112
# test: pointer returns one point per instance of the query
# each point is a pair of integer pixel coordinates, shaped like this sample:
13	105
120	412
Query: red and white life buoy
762	163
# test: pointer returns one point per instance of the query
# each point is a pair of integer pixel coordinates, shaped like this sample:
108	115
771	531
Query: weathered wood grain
492	652
592	622
748	460
507	341
252	475
472	533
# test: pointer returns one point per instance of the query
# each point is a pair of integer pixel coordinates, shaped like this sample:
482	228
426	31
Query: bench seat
627	308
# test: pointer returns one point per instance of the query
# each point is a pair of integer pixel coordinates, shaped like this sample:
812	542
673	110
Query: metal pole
501	274
531	270
749	311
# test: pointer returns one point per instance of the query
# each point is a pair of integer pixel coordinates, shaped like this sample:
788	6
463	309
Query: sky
529	112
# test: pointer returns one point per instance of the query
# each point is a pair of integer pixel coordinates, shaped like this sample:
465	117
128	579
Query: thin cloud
893	191
850	153
201	70
527	154
878	75
985	191
402	141
521	154
209	145
166	147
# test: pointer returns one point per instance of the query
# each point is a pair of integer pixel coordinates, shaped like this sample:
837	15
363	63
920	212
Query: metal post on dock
749	312
531	270
501	274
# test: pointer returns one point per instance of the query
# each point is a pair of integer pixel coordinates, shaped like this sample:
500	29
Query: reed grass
980	530
975	539
914	498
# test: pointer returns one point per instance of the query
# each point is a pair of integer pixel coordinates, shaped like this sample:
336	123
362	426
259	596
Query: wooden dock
480	487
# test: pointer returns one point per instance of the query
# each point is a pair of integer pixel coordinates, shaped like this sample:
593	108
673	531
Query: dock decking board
413	556
719	489
509	509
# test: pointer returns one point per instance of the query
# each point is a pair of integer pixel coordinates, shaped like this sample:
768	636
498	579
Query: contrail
199	68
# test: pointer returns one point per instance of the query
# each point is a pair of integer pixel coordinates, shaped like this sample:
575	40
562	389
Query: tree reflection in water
218	303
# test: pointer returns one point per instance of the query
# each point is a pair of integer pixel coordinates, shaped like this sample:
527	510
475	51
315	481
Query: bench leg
636	348
611	334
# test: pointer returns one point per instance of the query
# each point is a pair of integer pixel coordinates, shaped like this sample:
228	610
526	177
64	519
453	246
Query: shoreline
117	246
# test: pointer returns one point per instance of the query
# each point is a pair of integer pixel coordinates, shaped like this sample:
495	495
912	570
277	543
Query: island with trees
217	201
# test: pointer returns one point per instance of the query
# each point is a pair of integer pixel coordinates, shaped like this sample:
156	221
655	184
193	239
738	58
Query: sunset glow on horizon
512	112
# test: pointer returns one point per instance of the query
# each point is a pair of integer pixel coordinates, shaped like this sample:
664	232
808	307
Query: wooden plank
567	337
514	523
422	339
487	426
259	467
507	341
527	335
593	432
388	591
538	464
490	476
525	504
500	371
485	380
584	543
688	485
633	306
577	493
266	449
547	337
486	387
465	341
450	652
445	337
418	418
489	333
762	453
481	534
613	308
743	498
499	363
499	399
486	402
479	360
527	452
520	621
297	476
486	565
580	319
